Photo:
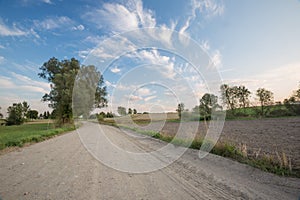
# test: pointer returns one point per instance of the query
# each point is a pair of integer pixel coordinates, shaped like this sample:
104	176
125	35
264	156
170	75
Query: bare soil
270	136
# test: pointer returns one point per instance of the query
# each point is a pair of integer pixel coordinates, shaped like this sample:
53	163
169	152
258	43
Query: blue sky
254	43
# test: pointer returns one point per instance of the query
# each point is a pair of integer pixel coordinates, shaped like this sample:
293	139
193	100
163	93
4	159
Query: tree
265	98
229	96
129	111
208	103
16	113
180	109
121	111
32	114
134	111
292	103
62	76
89	92
1	115
243	96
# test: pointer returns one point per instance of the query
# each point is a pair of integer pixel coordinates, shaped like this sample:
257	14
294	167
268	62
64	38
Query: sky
144	49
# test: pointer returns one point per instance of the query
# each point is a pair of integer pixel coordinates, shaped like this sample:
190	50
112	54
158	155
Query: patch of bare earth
269	136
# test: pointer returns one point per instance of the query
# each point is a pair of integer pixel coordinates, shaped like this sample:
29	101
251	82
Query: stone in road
62	168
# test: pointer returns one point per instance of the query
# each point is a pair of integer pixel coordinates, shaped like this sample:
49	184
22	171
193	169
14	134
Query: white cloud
109	84
120	18
134	98
144	91
164	64
54	23
6	82
7	31
205	45
83	54
115	70
94	39
47	1
2	59
150	98
80	27
208	8
216	58
2	47
31	85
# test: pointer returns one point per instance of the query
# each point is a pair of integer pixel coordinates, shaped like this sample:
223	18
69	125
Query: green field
27	133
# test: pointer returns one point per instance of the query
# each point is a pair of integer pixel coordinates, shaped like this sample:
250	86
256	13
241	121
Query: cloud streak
10	31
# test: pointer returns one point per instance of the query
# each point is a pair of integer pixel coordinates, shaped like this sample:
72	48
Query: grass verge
29	133
264	162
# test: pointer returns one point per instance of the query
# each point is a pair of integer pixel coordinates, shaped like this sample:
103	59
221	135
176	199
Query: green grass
225	150
28	133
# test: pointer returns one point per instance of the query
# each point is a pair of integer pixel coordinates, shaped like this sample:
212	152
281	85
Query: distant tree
32	114
109	115
180	109
265	98
208	103
129	111
61	75
45	115
134	111
25	108
1	115
121	111
16	113
243	96
293	103
229	96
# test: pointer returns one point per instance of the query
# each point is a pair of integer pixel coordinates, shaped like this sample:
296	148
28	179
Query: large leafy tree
62	75
17	113
89	92
265	98
208	103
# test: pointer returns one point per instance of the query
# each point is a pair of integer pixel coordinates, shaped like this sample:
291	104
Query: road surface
62	168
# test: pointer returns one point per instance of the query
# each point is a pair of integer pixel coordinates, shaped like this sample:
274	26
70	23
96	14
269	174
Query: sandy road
62	168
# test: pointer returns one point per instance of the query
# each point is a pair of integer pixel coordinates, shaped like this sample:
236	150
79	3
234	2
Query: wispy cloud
47	1
150	98
120	18
204	8
208	8
53	23
164	63
10	31
2	59
115	69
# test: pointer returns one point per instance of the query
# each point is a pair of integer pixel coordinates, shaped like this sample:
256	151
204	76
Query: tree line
236	100
18	113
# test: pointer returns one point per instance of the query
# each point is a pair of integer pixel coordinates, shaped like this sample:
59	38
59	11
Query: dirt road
62	168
